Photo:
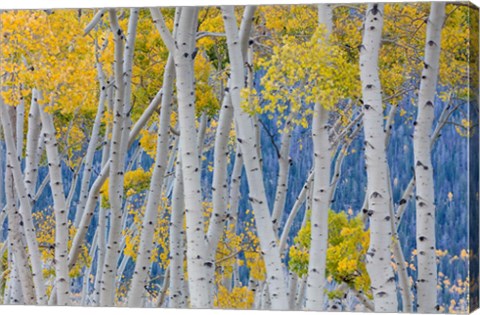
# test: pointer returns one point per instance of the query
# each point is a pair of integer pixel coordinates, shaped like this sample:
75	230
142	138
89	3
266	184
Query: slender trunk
249	148
15	295
115	187
220	184
19	125
127	79
93	195
425	194
319	215
102	226
302	196
202	128
321	186
62	282
221	153
200	267
379	253
300	301
235	181
137	289
25	206
282	178
293	284
16	243
92	145
177	256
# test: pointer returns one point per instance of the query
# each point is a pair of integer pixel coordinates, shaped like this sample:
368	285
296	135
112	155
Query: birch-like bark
142	263
425	194
300	300
15	294
302	196
88	271
378	255
249	146
199	267
282	178
127	79
19	125
115	187
220	183
293	286
93	23
93	195
408	192
221	154
235	181
73	188
25	206
62	282
34	145
321	186
202	128
102	220
92	145
319	214
177	255
16	243
19	280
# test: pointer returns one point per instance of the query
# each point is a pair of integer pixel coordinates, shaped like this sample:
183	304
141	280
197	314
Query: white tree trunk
25	206
142	263
15	294
282	177
221	154
425	194
19	124
249	147
115	187
102	222
199	267
321	187
220	183
16	244
235	181
379	253
302	196
31	159
177	250
93	195
127	80
62	282
319	215
92	146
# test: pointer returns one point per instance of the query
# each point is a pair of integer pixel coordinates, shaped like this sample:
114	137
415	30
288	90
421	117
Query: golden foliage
239	298
347	247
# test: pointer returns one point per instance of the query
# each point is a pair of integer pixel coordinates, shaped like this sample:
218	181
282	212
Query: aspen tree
321	185
246	136
92	145
17	245
378	255
94	192
425	194
199	267
177	250
62	282
156	186
25	206
119	146
221	151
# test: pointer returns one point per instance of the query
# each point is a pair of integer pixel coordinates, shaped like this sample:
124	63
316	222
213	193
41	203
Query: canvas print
317	157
